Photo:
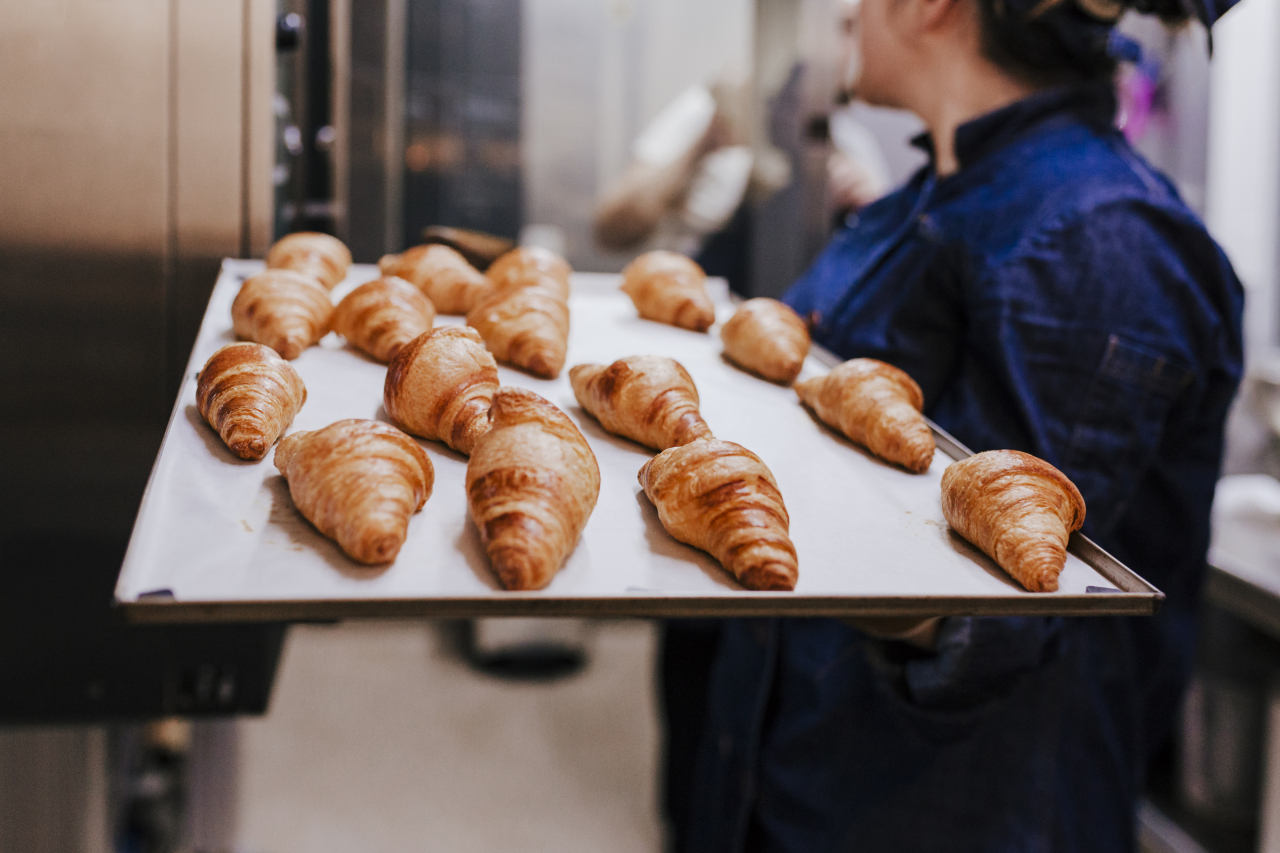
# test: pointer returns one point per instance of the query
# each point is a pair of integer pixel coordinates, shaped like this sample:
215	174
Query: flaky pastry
876	405
532	482
358	482
249	395
720	497
441	385
1018	509
647	398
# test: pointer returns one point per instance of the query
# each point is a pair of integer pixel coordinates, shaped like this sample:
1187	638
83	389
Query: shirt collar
1093	104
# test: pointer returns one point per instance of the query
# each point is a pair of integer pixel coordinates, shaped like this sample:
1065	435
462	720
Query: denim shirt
1054	296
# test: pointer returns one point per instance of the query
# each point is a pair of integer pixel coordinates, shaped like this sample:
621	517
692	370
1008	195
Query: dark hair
1065	44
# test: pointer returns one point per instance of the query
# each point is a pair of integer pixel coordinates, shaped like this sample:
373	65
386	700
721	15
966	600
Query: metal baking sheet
218	539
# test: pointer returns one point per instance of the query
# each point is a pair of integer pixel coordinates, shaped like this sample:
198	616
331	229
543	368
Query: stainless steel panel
83	240
123	183
123	177
372	127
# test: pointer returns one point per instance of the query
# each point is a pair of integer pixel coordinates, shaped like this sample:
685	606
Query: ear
939	14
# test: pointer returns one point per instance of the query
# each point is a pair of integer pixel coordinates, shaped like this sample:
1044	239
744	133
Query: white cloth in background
856	141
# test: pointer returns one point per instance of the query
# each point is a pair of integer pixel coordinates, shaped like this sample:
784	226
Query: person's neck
968	90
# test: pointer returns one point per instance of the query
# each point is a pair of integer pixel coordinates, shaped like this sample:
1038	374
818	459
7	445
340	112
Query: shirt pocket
1120	421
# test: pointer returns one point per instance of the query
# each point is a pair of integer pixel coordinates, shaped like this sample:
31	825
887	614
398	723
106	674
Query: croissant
527	327
718	496
669	288
288	311
441	385
323	257
767	337
876	405
647	398
443	275
358	482
1018	509
532	483
530	265
249	395
383	315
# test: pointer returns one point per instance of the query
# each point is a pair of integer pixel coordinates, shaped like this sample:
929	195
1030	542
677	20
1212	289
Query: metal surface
1244	570
219	539
461	155
369	46
123	185
131	167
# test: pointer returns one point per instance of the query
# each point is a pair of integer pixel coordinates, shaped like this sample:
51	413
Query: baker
1051	293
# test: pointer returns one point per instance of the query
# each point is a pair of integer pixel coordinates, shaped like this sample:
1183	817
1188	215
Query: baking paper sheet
219	538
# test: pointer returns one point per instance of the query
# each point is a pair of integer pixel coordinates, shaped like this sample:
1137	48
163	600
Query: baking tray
218	539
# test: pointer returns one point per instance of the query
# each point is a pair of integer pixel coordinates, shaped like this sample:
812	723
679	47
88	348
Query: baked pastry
876	405
321	256
440	386
443	275
532	483
525	326
646	398
358	482
718	496
669	288
768	338
381	316
1018	509
249	395
286	310
530	265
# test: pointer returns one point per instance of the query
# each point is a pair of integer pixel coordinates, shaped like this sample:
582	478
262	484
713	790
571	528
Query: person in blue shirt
1051	293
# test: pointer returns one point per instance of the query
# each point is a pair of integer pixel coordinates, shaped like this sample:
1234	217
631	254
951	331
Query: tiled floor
379	740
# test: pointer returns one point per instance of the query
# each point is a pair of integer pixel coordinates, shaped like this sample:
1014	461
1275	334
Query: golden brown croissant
443	275
441	385
647	398
718	496
529	265
767	337
288	311
383	315
532	483
876	405
358	482
527	327
669	288
1018	509
249	395
323	257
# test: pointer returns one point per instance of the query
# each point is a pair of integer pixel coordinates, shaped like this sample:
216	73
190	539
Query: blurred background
142	141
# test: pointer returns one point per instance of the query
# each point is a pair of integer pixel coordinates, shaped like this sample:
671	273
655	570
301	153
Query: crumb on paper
245	525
